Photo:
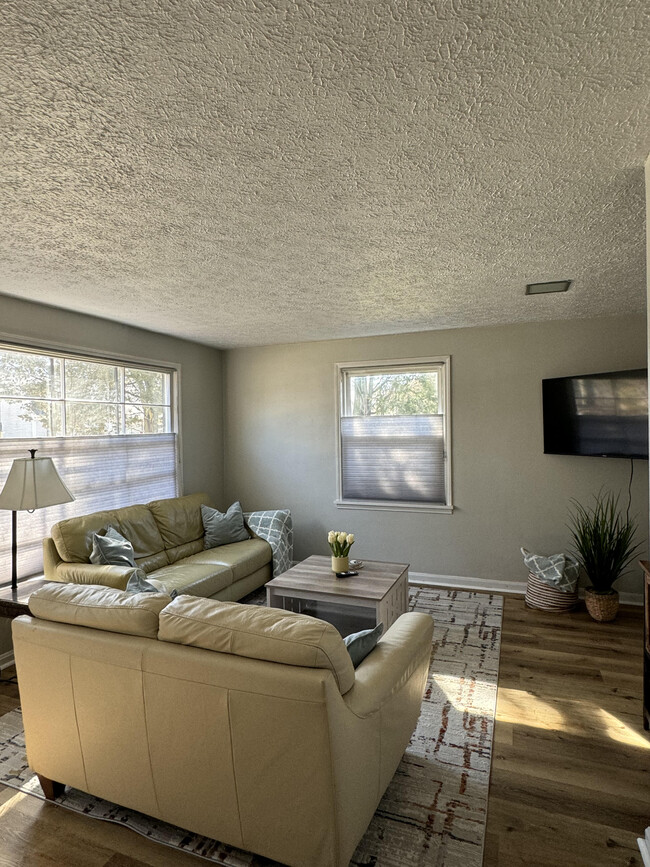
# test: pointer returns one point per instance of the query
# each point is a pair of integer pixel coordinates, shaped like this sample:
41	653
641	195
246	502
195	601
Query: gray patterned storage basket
542	595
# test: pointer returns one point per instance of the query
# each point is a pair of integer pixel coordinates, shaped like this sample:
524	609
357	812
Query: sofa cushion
258	633
179	518
153	562
222	528
99	608
137	524
242	557
180	552
74	536
197	579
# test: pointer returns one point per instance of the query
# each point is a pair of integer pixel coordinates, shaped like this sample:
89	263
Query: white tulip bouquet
340	542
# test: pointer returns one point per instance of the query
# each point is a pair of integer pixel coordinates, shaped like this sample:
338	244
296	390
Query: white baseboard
6	659
458	582
486	585
627	598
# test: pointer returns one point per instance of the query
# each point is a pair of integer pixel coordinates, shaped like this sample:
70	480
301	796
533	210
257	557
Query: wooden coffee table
378	594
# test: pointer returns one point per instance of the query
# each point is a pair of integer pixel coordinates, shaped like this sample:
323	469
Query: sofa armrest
404	648
51	558
88	573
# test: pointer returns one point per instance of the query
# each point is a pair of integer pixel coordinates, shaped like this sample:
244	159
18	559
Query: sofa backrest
258	633
73	537
161	532
180	525
250	631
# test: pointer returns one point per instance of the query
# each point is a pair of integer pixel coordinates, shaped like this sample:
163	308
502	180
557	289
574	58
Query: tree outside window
44	395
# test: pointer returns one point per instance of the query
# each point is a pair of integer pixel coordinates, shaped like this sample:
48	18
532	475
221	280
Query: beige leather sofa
246	724
167	537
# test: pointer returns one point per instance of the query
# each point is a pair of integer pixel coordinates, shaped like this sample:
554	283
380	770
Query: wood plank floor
570	783
570	780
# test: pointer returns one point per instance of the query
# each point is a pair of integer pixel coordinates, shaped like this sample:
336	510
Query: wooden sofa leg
51	789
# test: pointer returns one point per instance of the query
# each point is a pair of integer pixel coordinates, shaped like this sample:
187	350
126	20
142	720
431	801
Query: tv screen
599	414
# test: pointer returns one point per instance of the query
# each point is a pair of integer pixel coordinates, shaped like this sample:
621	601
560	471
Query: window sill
383	506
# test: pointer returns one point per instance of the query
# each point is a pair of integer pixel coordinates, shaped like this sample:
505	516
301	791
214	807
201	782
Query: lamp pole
14	571
14	545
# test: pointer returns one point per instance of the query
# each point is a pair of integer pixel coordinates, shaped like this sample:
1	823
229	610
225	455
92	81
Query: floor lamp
32	483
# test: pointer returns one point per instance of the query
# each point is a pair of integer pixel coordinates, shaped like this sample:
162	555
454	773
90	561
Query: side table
13	603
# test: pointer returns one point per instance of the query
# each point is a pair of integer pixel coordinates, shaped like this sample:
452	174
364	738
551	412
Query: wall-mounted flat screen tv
599	414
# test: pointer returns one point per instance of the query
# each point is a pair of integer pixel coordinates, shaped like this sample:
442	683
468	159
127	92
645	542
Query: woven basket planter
547	598
603	607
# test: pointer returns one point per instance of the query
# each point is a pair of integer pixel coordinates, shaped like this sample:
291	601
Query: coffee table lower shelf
346	618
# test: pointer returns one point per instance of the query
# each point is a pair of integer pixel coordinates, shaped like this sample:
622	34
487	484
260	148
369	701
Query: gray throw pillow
221	528
359	644
138	583
112	549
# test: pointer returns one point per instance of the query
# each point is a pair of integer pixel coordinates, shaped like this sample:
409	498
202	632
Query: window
394	425
107	425
48	396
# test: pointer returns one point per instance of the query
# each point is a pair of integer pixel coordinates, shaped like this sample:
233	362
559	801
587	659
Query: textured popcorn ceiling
268	171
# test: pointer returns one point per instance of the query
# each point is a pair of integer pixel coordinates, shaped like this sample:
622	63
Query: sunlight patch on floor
521	708
619	731
11	803
457	690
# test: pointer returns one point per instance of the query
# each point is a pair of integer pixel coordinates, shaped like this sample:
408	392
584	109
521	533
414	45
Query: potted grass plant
603	541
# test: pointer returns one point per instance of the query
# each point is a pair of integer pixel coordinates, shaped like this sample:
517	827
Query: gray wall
280	443
201	409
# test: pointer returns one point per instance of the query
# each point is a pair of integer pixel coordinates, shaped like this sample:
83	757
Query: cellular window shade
395	458
102	473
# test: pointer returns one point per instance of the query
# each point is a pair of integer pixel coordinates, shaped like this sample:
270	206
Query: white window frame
343	369
110	361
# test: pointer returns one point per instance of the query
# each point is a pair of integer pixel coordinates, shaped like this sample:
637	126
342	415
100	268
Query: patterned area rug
433	812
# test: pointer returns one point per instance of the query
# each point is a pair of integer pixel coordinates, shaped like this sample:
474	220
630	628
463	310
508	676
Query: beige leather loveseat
246	724
168	541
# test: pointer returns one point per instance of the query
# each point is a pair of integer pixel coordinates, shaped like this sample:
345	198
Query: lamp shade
33	483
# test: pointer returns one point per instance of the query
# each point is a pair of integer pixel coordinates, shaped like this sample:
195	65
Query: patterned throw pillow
557	570
276	527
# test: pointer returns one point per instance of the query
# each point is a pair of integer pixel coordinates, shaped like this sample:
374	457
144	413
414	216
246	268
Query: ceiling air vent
544	288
